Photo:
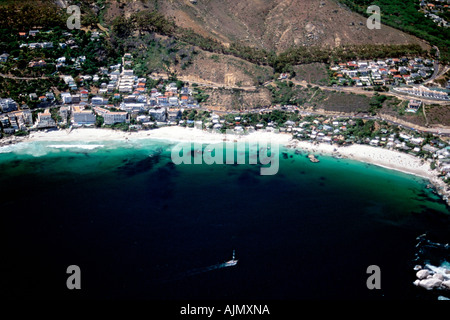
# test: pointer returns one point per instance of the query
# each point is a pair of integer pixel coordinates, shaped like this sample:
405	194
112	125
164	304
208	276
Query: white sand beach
174	133
379	156
390	159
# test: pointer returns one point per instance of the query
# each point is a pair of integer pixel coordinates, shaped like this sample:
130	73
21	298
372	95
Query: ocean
140	227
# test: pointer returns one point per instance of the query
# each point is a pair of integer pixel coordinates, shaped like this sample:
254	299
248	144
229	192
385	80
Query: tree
121	27
99	121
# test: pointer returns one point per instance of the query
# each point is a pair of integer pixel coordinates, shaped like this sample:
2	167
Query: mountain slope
279	24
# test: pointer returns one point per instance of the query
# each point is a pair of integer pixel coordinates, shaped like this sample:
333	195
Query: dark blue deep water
142	227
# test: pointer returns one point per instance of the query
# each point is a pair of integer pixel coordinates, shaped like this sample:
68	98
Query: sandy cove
379	156
174	133
390	159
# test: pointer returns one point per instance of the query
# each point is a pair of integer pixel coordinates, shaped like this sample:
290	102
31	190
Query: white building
81	116
158	114
7	105
98	101
66	97
173	101
132	107
111	117
45	120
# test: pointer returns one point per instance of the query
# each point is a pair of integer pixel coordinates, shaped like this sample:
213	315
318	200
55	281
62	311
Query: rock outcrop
432	277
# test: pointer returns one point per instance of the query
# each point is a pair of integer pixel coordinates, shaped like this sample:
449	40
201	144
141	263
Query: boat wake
197	271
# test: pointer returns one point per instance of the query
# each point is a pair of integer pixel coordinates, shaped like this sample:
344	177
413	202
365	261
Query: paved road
208	84
8	76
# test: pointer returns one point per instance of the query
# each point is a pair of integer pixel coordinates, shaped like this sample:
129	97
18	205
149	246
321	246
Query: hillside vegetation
404	15
150	20
277	25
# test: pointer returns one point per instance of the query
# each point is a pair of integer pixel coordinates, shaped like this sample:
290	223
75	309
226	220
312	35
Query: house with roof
82	116
351	73
363	72
163	100
379	82
174	114
7	105
184	100
76	98
362	64
4	57
173	101
111	117
133	107
66	97
37	64
98	101
413	106
159	114
393	71
45	120
64	113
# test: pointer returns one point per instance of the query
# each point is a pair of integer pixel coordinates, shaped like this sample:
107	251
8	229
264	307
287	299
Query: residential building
163	100
7	105
37	64
45	120
4	57
174	114
132	107
417	141
23	116
81	116
76	98
4	121
429	148
413	105
66	97
64	113
98	101
111	117
173	101
158	114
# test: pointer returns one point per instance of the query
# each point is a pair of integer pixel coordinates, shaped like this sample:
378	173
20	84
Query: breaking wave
77	146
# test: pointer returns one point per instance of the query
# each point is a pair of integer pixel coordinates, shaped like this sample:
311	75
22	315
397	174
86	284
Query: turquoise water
140	226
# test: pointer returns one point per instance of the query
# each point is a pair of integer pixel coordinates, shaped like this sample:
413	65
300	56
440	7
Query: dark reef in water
134	167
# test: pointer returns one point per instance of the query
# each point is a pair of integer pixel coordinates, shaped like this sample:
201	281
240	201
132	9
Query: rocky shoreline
12	140
430	277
